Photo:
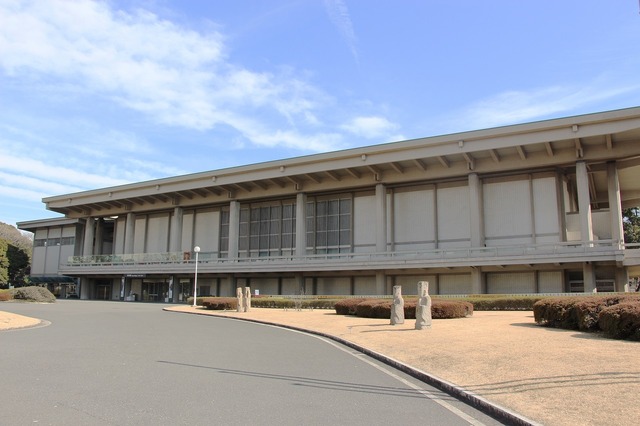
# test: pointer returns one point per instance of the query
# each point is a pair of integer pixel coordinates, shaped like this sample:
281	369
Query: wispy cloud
373	127
339	15
519	106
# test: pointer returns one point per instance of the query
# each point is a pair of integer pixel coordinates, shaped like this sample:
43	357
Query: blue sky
97	94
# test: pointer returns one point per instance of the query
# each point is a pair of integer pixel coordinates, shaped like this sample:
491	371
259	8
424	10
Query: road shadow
555	382
325	384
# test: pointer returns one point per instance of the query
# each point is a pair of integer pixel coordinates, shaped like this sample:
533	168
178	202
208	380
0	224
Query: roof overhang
545	145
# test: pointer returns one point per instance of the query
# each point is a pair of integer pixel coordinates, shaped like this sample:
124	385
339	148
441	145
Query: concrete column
99	233
301	224
175	239
584	201
381	283
381	218
588	277
478	285
622	278
234	229
129	233
615	204
85	291
476	209
87	249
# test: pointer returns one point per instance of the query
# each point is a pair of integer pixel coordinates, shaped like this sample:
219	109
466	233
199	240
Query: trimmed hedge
5	295
502	303
621	321
381	308
591	313
231	303
220	303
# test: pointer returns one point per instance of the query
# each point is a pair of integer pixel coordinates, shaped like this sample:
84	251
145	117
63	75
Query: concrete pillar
476	209
622	278
584	201
87	249
85	291
99	235
381	283
381	218
301	224
588	277
175	239
129	233
478	285
234	229
615	204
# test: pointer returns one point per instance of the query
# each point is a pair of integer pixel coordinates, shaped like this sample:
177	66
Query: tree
19	265
4	263
631	224
15	256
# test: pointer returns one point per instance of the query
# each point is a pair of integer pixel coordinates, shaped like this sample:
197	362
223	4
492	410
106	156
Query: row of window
270	230
49	242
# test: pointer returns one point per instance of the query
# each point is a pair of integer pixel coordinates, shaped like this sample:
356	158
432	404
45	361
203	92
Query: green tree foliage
631	224
15	256
4	262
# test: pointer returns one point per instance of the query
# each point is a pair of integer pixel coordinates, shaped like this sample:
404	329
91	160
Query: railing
501	252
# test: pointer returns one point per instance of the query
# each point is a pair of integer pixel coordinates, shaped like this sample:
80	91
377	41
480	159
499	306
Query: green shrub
33	294
502	303
621	321
381	308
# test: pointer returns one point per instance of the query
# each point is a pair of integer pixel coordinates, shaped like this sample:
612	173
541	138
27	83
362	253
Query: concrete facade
531	208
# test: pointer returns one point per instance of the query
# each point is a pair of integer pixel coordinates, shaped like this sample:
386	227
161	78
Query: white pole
196	249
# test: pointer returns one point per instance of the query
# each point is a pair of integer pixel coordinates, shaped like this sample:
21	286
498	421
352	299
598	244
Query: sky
96	94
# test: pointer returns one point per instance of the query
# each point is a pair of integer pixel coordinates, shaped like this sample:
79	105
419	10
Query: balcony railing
557	251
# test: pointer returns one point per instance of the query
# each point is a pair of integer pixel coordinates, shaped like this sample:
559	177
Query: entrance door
103	291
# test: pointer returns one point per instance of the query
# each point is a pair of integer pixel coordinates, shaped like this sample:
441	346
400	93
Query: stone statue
397	307
423	308
240	298
247	299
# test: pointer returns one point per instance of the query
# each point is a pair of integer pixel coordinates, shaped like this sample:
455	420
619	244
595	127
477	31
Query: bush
5	295
576	312
347	306
33	294
381	308
502	303
621	321
220	303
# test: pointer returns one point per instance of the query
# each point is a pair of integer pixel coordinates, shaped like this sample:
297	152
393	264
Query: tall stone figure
397	307
423	308
240	298
247	299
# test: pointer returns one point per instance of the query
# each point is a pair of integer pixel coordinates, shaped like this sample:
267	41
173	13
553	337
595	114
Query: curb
494	410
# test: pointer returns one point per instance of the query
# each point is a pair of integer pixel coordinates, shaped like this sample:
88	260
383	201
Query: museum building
528	208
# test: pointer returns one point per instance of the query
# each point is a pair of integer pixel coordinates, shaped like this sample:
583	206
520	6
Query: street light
196	250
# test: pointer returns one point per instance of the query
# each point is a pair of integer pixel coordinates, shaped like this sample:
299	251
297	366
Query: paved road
111	363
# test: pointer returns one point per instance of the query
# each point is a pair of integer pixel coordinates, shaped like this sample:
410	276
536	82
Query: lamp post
196	250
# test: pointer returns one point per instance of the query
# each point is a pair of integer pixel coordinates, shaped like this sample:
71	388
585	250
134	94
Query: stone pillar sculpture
240	298
397	307
247	299
423	308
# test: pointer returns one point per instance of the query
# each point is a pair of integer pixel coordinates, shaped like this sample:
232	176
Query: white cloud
521	106
169	73
339	15
372	127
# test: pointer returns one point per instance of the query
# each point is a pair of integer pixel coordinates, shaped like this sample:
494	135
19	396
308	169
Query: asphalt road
114	363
